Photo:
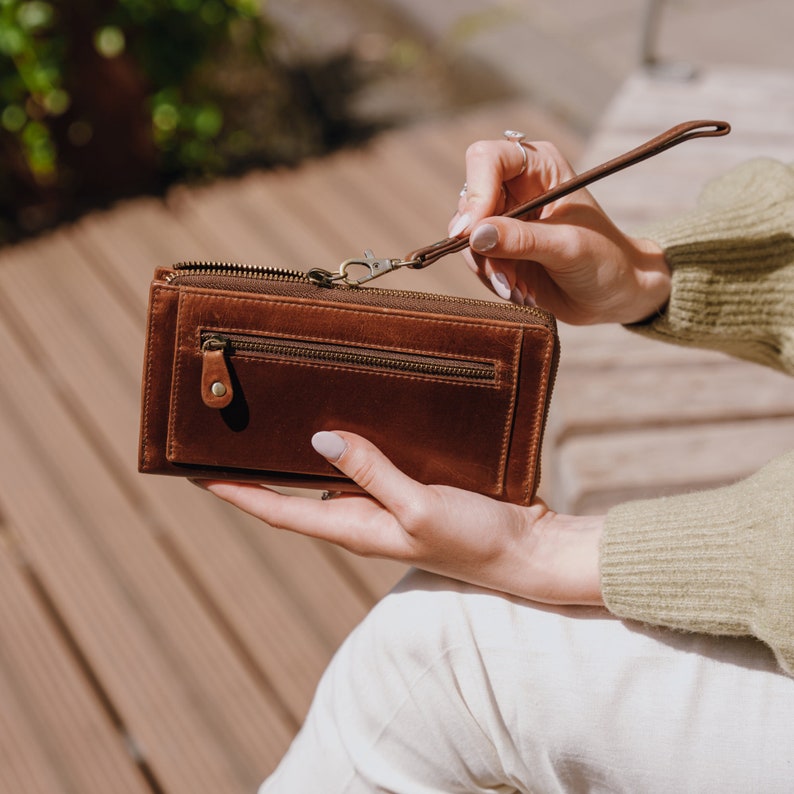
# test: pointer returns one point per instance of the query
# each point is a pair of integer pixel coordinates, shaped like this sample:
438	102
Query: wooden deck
154	641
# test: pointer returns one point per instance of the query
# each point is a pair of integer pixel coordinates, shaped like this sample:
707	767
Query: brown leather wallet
243	364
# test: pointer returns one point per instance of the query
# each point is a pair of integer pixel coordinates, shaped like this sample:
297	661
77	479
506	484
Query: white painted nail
501	285
329	445
461	224
484	238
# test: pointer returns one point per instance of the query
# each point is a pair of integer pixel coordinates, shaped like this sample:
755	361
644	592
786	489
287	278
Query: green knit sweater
721	561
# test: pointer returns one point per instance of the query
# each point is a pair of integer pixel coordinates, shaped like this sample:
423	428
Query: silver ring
518	139
326	495
463	190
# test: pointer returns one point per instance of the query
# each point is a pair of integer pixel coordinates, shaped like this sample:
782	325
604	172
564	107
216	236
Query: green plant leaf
110	41
35	15
13	118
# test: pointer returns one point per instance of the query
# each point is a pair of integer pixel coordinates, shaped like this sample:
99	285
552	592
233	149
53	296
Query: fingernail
329	445
501	285
459	225
198	483
485	238
529	300
516	296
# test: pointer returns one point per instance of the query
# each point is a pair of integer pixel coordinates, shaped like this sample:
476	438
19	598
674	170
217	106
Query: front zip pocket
215	347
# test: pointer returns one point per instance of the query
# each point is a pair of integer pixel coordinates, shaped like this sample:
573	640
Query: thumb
545	242
504	238
366	465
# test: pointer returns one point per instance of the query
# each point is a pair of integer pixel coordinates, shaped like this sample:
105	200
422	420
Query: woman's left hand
531	552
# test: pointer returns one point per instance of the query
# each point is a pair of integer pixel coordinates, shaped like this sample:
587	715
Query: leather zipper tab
216	382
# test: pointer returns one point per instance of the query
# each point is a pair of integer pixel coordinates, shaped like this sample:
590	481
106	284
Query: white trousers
449	688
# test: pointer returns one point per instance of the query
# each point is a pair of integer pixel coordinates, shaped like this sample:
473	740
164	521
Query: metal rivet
218	389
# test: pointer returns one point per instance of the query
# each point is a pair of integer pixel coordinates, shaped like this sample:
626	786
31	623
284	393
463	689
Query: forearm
717	562
720	562
732	264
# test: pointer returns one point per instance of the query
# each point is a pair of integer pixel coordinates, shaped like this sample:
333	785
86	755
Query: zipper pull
216	383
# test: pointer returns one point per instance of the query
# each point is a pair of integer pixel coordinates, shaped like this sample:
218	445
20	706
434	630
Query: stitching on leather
346	342
153	315
537	423
497	384
499	480
340	310
517	345
175	390
450	379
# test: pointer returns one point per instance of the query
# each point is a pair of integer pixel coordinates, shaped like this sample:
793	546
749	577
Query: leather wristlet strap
688	130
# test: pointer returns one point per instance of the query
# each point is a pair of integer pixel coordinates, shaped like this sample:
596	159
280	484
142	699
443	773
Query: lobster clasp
375	268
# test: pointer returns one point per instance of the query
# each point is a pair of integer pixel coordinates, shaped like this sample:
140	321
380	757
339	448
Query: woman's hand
570	258
530	552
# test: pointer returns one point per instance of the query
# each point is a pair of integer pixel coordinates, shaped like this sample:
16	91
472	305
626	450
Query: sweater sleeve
732	264
717	562
720	561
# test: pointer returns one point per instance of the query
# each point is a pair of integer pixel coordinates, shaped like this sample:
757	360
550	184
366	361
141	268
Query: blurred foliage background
101	99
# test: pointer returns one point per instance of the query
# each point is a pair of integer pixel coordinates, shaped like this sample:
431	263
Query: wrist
582	541
653	282
561	562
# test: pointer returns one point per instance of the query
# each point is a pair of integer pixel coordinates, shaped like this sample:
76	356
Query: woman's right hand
569	257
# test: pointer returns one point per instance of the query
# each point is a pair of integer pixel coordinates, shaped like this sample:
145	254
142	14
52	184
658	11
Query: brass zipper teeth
400	362
236	269
265	273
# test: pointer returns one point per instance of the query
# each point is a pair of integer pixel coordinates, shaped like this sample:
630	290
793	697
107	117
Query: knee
426	615
417	617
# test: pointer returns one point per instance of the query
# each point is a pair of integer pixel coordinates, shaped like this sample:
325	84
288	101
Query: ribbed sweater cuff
732	263
678	563
715	562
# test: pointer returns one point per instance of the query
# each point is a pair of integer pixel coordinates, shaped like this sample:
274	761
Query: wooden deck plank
46	694
346	212
195	531
204	630
124	247
136	255
593	472
184	701
234	581
223	218
606	398
270	590
293	638
24	761
138	623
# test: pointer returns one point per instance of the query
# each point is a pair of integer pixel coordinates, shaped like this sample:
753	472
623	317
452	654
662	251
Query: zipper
237	270
234	275
216	347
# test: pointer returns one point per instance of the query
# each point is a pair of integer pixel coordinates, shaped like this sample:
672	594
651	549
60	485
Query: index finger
489	164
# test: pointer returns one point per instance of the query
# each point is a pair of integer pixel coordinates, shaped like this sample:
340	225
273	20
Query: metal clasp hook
375	269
